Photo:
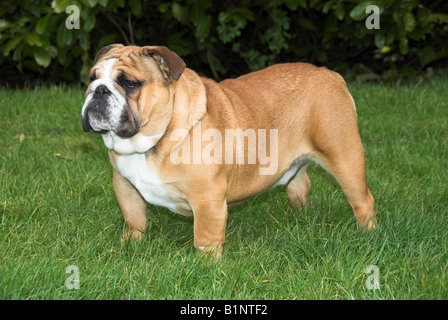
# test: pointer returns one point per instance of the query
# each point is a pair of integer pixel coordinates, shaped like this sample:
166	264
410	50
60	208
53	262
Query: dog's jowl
196	146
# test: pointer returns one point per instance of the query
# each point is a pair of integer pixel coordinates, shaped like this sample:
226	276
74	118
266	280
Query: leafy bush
225	39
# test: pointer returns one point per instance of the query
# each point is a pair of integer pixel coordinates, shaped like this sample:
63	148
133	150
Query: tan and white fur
140	95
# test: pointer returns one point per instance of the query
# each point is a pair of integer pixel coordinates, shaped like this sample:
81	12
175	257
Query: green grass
57	208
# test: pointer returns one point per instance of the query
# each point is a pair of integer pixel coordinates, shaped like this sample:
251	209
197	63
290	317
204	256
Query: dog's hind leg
349	169
337	146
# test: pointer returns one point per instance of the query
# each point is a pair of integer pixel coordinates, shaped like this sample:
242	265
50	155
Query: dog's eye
129	84
92	78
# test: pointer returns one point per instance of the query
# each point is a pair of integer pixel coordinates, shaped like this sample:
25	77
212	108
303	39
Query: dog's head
129	90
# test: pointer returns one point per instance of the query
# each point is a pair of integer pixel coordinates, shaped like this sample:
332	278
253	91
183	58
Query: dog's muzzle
105	111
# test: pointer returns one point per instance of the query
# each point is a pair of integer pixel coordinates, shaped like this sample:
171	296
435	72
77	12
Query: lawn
58	209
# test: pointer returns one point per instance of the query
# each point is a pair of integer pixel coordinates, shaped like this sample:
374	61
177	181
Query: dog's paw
214	252
132	236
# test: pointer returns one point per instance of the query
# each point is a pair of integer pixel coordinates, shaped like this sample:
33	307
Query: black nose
102	89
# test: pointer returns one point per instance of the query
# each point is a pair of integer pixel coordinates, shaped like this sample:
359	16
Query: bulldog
167	131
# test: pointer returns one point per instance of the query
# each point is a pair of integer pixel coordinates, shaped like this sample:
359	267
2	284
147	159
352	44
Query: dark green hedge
226	38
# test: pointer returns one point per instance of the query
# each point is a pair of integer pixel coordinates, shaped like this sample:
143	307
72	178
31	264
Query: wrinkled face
129	90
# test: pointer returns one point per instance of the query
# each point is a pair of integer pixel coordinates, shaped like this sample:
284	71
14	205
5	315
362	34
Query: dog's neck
190	101
189	108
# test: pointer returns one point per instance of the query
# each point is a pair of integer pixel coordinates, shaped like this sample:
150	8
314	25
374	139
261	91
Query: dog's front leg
210	219
133	207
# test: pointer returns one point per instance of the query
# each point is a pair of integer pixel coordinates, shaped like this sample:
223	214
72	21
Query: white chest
138	143
134	167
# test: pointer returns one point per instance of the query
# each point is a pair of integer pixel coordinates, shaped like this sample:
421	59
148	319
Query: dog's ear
169	62
105	50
